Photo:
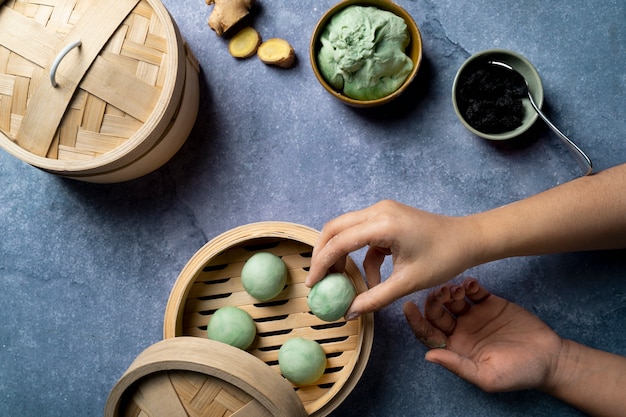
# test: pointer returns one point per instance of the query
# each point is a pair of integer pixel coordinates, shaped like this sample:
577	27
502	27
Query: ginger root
227	13
277	52
245	43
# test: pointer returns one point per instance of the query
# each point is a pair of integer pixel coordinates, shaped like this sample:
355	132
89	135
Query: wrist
563	369
588	379
480	244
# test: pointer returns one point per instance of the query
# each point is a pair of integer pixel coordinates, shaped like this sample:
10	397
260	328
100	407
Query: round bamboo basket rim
285	233
208	358
150	131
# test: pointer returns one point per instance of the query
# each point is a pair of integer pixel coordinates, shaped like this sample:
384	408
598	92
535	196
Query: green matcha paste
362	52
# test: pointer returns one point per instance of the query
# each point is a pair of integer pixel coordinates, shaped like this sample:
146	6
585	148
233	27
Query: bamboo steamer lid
93	90
189	376
211	279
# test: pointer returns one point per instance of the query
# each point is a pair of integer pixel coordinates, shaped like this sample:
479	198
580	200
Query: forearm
591	380
588	213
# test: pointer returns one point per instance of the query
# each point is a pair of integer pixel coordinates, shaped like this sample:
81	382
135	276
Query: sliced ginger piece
277	51
245	43
227	13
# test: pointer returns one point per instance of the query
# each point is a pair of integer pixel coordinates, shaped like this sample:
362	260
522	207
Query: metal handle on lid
59	58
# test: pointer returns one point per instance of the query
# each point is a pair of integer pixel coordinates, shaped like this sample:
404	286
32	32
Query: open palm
487	340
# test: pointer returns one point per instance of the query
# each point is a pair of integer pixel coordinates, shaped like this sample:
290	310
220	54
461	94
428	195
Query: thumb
374	299
461	366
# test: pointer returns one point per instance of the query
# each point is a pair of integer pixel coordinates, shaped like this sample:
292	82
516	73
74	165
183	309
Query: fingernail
351	315
458	293
472	286
308	281
433	344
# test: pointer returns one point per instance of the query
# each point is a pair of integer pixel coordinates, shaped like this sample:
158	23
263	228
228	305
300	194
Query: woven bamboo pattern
109	104
216	282
190	376
188	394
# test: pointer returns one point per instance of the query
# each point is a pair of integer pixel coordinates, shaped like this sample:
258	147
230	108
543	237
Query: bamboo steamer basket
189	376
93	90
211	279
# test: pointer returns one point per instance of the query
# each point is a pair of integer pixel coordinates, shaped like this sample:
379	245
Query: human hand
427	250
486	340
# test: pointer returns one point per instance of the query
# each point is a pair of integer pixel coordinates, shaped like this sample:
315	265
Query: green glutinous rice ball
233	326
330	298
301	361
264	276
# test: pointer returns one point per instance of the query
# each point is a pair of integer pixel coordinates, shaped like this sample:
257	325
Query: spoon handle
581	157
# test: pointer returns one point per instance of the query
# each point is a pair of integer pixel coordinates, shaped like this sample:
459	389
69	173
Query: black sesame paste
490	98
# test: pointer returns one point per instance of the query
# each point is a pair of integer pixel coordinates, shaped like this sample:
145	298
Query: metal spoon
581	157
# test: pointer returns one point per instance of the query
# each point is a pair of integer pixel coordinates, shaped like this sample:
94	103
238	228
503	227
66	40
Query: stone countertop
86	269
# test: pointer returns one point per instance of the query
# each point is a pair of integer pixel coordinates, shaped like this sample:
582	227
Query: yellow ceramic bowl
525	68
414	49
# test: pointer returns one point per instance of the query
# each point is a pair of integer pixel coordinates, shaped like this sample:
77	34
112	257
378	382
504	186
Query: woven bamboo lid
87	86
189	376
212	279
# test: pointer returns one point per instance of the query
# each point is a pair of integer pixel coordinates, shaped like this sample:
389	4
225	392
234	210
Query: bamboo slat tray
211	279
189	377
92	89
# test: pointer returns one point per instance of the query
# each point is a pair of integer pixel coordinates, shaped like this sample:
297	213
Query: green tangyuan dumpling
330	298
301	361
264	276
233	326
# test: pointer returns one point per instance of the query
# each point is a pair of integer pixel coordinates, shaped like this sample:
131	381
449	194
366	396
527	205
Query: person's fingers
376	297
338	266
340	223
457	304
474	291
425	332
372	226
436	313
339	237
371	265
461	366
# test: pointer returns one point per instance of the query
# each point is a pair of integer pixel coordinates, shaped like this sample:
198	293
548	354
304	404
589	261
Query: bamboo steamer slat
211	279
117	112
189	376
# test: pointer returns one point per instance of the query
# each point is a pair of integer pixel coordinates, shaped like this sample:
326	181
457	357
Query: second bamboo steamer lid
189	376
119	70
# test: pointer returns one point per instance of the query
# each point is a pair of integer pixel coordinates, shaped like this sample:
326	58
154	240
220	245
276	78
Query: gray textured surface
86	270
